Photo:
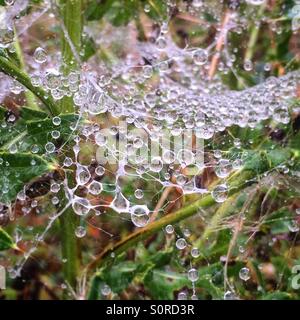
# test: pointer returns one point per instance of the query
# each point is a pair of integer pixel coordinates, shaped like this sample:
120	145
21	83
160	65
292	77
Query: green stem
71	13
68	223
254	36
12	70
30	97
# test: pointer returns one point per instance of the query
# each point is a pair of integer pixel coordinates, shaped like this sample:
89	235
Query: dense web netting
157	123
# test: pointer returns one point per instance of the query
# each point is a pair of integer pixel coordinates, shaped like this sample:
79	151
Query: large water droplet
220	193
40	55
140	215
120	203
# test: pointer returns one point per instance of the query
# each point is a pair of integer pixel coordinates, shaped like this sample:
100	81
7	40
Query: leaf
34	128
17	170
39	132
30	114
89	48
262	161
118	277
117	12
278	295
122	12
10	132
6	242
97	9
278	156
163	284
278	221
158	9
2	113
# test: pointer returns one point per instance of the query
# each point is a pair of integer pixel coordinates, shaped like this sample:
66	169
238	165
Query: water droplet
293	226
83	175
6	37
182	296
56	121
95	188
147	8
40	55
140	215
105	290
244	274
80	232
200	57
229	295
181	243
220	193
195	253
55	134
55	187
147	71
120	203
161	43
13	149
9	2
223	168
50	147
68	162
100	171
156	164
81	206
169	229
35	148
193	275
139	194
100	139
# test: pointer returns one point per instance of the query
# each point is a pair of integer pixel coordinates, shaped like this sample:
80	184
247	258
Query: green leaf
122	12
2	113
17	170
34	128
262	161
117	12
158	9
279	220
278	295
30	114
97	9
89	48
118	277
278	156
6	242
162	285
10	132
39	132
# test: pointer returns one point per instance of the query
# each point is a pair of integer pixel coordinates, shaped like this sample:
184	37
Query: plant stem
68	223
254	36
30	98
12	70
71	13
